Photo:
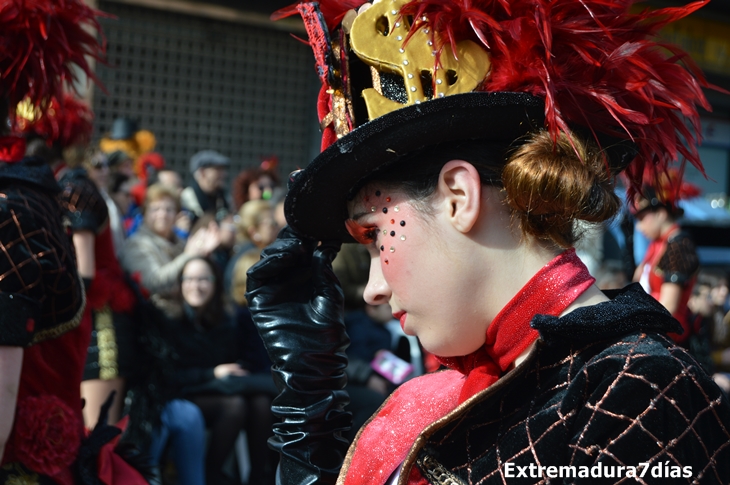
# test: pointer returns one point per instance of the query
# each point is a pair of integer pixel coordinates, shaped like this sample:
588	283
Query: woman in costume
462	142
43	337
66	130
669	269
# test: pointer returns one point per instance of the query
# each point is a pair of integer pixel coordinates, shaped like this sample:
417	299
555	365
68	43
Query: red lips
402	317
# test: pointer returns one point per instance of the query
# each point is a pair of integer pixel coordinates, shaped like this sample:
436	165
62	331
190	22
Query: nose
377	290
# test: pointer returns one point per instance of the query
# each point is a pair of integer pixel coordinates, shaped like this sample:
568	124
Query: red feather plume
332	10
594	63
65	124
670	187
40	42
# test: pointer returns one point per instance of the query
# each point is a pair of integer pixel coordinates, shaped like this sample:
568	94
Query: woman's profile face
416	272
159	216
198	283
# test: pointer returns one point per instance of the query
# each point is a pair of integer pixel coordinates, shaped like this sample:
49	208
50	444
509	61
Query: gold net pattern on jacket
37	260
630	403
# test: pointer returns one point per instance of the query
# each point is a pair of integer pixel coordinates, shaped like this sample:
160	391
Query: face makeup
411	271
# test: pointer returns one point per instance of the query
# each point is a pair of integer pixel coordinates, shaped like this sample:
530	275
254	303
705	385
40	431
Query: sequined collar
34	171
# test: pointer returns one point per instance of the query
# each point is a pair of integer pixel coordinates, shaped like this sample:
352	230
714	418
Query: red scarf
386	440
12	149
550	292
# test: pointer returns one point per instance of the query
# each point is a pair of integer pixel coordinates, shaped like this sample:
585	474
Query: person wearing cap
206	193
120	162
125	136
669	269
462	143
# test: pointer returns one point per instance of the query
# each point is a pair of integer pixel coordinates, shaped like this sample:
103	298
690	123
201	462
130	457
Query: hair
116	180
93	158
212	313
250	215
649	201
157	192
547	185
240	278
239	187
711	277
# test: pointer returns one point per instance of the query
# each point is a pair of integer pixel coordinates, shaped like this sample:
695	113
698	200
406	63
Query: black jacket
603	385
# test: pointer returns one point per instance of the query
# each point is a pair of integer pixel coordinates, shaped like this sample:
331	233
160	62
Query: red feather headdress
333	11
594	63
664	190
65	124
40	42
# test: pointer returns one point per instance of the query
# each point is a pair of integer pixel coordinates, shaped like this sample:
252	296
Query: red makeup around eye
362	234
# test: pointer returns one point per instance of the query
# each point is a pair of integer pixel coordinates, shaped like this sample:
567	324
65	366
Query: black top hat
123	129
400	76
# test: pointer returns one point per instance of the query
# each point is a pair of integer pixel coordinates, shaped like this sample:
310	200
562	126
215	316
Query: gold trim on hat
378	38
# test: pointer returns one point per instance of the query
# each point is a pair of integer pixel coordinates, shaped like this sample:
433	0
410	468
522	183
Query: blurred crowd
164	264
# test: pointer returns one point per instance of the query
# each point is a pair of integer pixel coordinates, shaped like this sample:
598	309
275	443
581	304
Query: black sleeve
85	206
679	262
22	289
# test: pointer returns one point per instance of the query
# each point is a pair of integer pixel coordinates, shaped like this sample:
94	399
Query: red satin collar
12	149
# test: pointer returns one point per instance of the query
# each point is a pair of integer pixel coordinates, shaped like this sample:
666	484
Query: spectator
98	169
119	190
258	183
256	229
170	178
121	162
227	237
206	192
209	372
146	167
154	255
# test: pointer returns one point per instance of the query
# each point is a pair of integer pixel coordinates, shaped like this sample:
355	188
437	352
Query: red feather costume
42	44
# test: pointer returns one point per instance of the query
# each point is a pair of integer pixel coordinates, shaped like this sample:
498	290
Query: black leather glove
297	305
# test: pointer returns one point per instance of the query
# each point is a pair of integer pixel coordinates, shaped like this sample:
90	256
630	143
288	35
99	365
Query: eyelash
362	234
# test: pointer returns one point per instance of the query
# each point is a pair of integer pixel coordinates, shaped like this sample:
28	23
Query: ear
460	189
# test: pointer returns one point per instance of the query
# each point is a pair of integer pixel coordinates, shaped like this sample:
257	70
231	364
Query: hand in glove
297	305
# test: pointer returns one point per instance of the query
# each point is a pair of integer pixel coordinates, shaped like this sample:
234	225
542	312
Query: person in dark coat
212	371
